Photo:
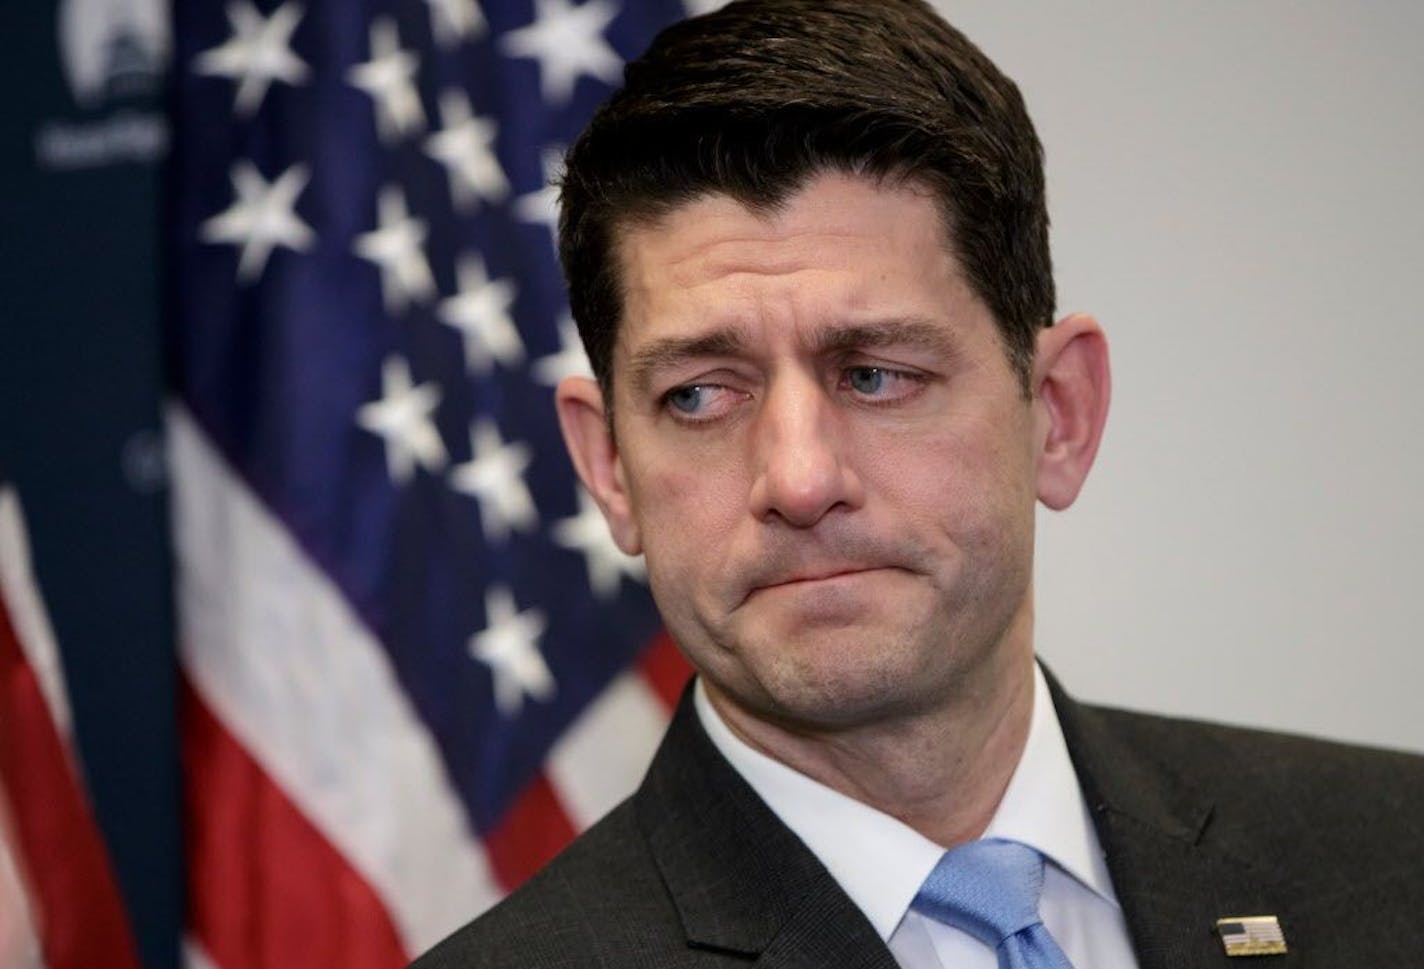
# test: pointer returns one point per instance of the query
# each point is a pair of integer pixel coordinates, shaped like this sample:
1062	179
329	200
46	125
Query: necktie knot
987	888
990	889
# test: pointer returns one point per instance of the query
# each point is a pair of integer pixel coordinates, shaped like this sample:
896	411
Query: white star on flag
570	361
568	42
453	20
256	54
480	311
262	217
395	246
494	477
389	77
509	646
402	418
465	146
543	205
587	532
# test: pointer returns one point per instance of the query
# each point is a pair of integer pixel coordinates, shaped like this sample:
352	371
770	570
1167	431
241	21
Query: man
807	251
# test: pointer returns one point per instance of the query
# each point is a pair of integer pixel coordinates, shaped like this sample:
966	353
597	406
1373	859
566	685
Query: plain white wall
1237	192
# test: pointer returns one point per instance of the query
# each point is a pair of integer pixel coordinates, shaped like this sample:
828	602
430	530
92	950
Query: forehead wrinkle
781	254
763	244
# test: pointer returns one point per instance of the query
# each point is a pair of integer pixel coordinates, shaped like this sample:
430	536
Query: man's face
823	453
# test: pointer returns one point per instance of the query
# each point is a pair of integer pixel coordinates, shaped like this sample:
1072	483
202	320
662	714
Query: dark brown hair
752	100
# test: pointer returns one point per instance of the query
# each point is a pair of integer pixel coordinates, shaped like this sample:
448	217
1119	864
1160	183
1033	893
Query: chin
834	682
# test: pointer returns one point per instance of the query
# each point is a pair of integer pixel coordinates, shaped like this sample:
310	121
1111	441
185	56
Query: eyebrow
672	351
917	332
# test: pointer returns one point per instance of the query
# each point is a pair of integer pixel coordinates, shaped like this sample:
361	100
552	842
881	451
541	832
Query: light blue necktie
990	889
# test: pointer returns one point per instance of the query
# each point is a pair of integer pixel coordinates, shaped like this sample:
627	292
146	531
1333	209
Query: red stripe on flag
79	913
665	669
533	831
537	826
265	888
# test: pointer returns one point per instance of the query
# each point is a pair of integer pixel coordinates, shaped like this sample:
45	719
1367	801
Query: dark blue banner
83	140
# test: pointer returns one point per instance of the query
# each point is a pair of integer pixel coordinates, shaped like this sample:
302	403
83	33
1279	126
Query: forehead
716	232
839	246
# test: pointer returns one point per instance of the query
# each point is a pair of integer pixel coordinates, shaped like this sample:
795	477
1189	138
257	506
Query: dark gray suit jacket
1199	822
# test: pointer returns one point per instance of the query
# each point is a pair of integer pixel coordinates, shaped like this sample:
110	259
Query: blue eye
866	380
881	385
687	399
700	403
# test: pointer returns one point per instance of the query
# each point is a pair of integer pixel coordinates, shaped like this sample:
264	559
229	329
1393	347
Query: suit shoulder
1275	753
601	895
1327	784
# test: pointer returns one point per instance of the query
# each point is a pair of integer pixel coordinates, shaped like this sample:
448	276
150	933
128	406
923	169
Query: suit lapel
741	880
744	884
1175	865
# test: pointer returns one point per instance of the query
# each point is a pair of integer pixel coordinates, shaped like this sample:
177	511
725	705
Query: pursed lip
811	575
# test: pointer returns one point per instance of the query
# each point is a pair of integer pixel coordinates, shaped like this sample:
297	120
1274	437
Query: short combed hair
752	100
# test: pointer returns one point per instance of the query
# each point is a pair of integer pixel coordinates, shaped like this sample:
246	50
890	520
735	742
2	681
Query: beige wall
1238	193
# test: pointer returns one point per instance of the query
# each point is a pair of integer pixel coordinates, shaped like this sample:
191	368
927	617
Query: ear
582	418
1071	387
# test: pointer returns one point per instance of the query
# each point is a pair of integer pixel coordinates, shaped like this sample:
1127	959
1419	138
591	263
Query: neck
942	771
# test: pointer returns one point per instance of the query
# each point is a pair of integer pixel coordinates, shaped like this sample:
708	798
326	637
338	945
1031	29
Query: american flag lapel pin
1251	935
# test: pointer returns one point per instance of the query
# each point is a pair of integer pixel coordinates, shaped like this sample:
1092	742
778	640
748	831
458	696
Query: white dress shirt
880	862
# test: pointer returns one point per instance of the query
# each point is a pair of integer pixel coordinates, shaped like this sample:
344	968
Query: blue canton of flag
417	663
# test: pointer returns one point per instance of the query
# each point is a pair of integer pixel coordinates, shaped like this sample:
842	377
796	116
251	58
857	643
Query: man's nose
802	468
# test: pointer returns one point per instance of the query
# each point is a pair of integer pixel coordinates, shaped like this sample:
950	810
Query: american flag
1254	935
416	665
59	900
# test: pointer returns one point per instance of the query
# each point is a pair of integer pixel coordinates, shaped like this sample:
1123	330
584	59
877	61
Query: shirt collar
1043	806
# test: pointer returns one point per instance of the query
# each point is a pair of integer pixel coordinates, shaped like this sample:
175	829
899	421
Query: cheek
686	504
968	480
